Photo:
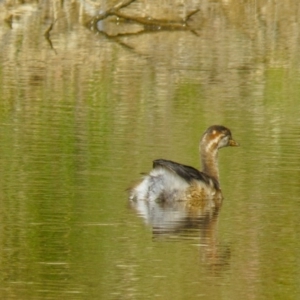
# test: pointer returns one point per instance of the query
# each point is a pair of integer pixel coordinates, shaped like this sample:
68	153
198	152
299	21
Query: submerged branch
47	32
110	12
191	14
149	24
47	35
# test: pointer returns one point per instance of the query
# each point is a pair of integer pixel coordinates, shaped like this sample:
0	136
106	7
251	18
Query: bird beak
233	143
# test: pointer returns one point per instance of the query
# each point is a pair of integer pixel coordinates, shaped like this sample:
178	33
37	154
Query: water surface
84	110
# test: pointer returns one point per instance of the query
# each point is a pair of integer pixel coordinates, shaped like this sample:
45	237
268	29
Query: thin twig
110	12
191	14
47	35
121	5
47	32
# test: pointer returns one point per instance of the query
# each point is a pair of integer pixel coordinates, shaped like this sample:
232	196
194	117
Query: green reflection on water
76	129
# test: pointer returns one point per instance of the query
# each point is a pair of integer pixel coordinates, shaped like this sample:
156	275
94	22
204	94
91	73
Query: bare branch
110	12
47	32
191	14
149	24
122	5
47	35
154	23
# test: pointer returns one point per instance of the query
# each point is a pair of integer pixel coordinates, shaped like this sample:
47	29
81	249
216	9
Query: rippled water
83	113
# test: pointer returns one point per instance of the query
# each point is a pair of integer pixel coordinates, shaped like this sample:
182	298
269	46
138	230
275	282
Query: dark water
83	113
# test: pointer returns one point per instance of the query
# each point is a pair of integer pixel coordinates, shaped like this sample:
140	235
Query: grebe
169	181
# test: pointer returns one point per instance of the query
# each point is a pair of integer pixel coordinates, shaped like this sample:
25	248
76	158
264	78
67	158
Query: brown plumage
170	181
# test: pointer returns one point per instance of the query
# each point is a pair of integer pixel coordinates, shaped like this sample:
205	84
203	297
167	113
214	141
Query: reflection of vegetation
9	21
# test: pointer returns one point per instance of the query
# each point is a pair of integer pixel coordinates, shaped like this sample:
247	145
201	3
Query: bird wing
186	172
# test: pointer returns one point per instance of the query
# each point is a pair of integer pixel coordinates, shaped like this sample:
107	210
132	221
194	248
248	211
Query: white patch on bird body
161	183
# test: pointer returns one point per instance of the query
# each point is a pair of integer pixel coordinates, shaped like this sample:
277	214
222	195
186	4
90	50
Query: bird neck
209	159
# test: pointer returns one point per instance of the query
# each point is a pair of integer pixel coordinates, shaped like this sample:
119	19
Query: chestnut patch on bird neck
212	141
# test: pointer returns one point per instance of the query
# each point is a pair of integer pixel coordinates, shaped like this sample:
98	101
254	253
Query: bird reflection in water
179	221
